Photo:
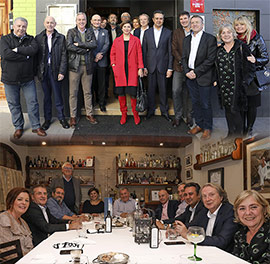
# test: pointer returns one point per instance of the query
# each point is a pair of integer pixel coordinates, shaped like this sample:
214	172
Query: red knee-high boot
135	113
123	109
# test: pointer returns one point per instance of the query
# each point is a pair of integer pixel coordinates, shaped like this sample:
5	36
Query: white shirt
157	33
195	41
96	31
192	210
49	41
142	34
212	219
43	209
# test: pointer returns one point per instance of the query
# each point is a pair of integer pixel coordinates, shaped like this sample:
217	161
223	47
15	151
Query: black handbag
142	101
263	78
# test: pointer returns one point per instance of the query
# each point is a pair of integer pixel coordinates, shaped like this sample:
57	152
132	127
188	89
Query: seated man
182	203
124	205
39	219
59	209
217	218
192	197
166	210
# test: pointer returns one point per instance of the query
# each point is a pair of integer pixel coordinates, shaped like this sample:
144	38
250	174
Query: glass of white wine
195	235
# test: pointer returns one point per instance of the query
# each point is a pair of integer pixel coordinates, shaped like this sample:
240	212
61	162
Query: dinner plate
112	258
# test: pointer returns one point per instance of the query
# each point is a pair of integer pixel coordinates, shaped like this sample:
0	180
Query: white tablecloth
121	240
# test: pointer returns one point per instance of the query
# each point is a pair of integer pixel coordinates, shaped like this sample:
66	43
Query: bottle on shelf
108	223
50	163
35	163
45	164
154	235
30	164
72	161
68	159
119	161
38	162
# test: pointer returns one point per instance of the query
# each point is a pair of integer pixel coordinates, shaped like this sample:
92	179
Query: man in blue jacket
17	51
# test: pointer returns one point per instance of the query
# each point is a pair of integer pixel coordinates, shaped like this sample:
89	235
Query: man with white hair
51	70
17	51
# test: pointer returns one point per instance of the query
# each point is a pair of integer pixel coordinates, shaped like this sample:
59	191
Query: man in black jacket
17	51
51	67
198	58
39	219
81	42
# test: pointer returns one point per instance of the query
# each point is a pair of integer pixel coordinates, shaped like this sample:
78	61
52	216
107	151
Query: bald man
167	208
51	70
100	61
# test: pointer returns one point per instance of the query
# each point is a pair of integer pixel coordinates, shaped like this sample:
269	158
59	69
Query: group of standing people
189	54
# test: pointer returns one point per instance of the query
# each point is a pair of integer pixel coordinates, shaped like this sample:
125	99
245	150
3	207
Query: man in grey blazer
198	58
71	186
100	61
158	59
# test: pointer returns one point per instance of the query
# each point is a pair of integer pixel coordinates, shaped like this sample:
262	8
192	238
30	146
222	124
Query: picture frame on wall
189	174
216	176
154	195
257	165
188	160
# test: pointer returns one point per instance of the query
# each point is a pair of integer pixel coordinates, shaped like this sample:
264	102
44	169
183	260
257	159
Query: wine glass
195	235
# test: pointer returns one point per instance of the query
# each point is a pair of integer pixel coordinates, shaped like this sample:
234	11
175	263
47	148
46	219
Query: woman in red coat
127	64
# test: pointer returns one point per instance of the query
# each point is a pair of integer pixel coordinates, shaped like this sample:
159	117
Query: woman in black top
252	240
234	73
94	205
257	46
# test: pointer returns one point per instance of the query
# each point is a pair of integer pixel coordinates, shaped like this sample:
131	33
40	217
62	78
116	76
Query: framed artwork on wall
216	176
154	195
188	160
189	174
257	165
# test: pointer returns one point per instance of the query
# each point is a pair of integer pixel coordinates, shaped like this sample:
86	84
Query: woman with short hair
252	240
94	205
12	226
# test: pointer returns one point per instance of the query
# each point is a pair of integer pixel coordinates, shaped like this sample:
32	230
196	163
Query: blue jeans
201	103
181	100
49	85
14	104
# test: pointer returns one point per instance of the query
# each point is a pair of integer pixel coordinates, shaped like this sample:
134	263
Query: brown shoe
91	119
72	122
195	130
206	134
40	132
18	133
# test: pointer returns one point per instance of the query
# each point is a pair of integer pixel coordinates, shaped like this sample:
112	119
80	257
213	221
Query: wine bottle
108	223
30	164
154	235
35	163
38	162
45	163
72	160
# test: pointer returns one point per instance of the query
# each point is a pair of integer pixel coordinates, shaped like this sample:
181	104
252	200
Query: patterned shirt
258	251
225	62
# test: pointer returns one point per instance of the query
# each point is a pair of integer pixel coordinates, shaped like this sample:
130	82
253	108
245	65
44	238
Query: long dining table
121	240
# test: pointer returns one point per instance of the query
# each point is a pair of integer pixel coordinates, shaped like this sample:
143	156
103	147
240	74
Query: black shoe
166	116
64	123
176	122
148	116
102	108
46	124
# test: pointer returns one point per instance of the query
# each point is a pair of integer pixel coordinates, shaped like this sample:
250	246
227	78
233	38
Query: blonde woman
251	241
234	73
257	46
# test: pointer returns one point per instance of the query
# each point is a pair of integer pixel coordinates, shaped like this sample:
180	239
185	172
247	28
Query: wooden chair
17	252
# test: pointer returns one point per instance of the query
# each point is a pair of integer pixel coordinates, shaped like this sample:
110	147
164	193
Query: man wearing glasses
71	186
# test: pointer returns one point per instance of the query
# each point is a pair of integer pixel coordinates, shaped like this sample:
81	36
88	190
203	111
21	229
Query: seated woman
251	241
12	226
93	206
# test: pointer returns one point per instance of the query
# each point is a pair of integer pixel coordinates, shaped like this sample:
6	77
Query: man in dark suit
198	58
71	186
217	218
181	100
157	54
100	61
39	219
167	208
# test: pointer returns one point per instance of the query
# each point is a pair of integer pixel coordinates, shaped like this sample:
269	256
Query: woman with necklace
127	64
12	226
234	73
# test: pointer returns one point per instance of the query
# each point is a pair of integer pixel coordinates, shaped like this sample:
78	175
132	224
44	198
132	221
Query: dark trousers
201	103
155	80
98	86
234	122
49	85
